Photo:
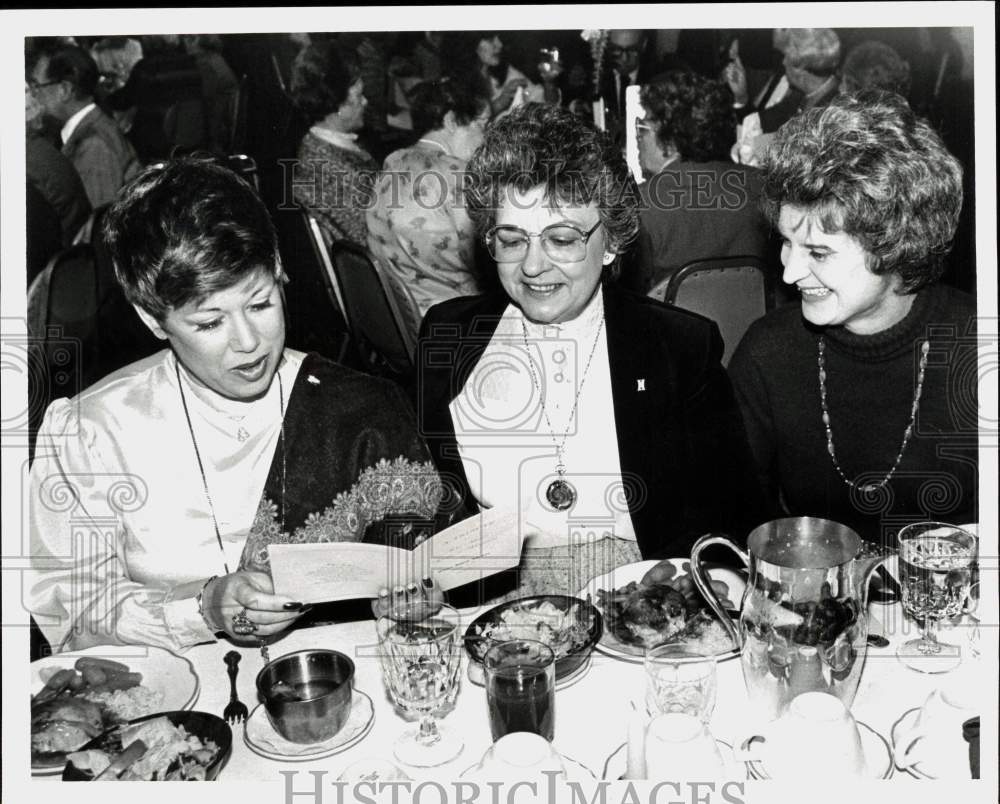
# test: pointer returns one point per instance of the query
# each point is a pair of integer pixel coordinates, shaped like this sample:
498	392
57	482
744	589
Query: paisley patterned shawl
351	466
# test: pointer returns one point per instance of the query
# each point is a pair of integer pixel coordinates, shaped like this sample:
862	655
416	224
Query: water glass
679	680
935	572
521	688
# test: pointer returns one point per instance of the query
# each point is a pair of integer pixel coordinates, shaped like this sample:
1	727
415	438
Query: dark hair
74	65
460	49
693	113
430	101
867	166
875	65
184	229
322	75
542	145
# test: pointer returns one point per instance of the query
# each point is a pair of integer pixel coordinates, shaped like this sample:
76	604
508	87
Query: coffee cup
933	740
680	746
519	755
816	737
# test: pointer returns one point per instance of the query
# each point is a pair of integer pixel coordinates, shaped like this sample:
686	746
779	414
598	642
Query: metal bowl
307	694
477	641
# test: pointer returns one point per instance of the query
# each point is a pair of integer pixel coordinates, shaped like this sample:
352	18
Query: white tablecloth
590	713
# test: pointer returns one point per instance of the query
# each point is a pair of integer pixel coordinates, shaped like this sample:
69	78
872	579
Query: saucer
915	770
616	764
261	738
476	674
575	771
878	756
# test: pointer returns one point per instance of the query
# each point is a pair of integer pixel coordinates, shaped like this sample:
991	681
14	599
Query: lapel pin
313	380
640	384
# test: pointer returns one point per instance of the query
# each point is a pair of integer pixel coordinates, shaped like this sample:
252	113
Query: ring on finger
242	624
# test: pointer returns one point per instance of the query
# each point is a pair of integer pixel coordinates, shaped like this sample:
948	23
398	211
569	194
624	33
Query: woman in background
333	176
418	228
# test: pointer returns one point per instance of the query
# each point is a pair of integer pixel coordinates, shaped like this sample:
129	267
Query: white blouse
508	445
118	512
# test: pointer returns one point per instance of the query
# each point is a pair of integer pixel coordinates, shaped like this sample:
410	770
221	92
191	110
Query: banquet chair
314	313
732	291
372	309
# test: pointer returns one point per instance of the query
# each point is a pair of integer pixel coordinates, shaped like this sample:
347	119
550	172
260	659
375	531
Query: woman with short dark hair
418	228
695	203
183	467
333	175
861	404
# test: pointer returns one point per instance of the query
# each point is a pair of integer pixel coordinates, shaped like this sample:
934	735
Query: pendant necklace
201	467
868	488
204	480
560	493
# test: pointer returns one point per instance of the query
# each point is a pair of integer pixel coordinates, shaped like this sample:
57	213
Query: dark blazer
679	431
102	156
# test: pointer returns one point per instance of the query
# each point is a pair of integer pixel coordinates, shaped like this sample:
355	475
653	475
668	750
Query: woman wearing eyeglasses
603	418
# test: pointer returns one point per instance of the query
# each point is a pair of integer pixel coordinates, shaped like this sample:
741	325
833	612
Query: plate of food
652	603
568	625
175	746
79	695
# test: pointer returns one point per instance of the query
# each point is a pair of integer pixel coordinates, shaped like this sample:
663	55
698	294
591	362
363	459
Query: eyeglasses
617	50
641	127
561	242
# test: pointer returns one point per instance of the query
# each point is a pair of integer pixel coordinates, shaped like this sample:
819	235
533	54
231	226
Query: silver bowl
307	694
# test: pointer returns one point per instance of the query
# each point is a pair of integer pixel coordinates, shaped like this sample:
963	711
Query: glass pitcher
803	624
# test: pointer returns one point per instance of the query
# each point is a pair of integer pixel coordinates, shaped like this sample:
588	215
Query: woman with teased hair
156	492
605	419
861	403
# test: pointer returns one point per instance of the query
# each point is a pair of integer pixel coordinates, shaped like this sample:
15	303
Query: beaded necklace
925	347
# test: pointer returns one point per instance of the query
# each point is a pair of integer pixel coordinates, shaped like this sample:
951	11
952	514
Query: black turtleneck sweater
870	382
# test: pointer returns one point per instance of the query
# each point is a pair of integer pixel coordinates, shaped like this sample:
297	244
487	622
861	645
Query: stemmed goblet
421	652
935	572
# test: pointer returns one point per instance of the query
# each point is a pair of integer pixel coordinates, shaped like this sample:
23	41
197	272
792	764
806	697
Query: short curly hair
875	65
322	76
184	229
693	113
430	102
866	165
543	145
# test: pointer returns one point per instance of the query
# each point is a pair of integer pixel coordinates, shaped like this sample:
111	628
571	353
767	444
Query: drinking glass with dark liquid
520	688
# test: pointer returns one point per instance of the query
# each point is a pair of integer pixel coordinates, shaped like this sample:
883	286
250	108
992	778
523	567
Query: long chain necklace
925	347
560	493
201	466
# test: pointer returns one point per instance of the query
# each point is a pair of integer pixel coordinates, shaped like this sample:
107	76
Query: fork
235	711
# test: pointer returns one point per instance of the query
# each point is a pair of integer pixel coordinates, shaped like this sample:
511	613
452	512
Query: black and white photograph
501	404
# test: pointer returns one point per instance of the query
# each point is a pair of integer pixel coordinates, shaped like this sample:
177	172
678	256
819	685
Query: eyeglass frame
643	126
585	237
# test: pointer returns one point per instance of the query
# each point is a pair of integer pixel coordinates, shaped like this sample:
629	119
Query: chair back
373	313
314	320
732	291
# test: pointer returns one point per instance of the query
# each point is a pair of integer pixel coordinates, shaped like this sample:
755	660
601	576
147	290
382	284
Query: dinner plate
616	765
261	738
170	675
878	756
609	644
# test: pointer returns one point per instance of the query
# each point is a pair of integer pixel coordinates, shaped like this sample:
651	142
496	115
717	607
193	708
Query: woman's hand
506	97
415	601
251	593
735	75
